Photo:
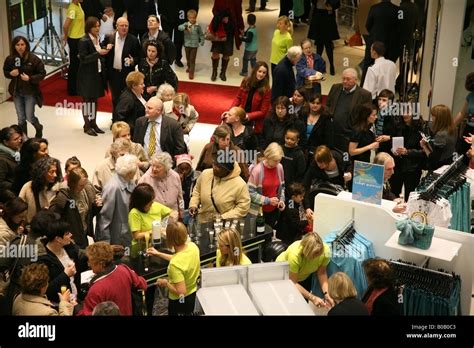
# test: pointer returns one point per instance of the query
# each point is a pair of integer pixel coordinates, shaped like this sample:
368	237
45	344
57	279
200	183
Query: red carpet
209	100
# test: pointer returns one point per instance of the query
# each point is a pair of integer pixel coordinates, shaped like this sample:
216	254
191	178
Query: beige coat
37	305
230	194
6	234
45	198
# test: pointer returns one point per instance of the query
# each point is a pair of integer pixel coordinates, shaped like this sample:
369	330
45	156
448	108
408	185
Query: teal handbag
415	233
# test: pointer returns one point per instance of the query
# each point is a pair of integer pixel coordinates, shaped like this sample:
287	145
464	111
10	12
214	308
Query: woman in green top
142	212
281	41
230	251
305	257
183	270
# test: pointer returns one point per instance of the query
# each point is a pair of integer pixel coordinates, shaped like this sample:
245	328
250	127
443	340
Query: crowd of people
276	145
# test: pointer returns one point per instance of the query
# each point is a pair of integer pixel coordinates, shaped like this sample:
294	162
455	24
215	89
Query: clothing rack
408	264
455	169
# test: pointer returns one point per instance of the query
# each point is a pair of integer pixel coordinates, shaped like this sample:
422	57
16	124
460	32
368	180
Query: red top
116	287
270	186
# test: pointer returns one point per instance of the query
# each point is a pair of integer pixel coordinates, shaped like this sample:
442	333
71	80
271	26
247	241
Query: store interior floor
64	130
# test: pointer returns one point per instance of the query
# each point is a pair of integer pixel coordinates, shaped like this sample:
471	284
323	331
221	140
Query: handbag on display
417	234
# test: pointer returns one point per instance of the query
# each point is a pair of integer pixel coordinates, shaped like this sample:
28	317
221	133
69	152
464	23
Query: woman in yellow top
142	212
281	40
230	251
305	257
183	270
73	29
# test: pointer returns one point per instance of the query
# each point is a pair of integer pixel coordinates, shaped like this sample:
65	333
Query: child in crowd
294	160
293	224
181	110
193	37
188	176
251	46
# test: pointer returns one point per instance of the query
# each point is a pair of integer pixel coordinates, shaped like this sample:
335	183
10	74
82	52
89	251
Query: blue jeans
25	108
249	56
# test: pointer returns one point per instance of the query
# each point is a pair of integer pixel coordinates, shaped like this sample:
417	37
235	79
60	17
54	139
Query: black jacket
169	55
32	66
294	165
92	8
274	130
385	304
171	135
350	306
57	277
415	159
138	12
383	24
284	81
322	133
289	227
64	205
129	108
92	83
131	47
247	140
315	173
7	171
156	75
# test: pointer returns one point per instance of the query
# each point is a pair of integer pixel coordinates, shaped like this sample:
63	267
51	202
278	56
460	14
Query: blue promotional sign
367	185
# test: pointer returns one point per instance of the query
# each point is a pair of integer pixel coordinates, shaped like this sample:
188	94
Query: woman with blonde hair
441	147
267	185
131	103
305	257
342	291
282	40
242	135
121	129
230	251
183	270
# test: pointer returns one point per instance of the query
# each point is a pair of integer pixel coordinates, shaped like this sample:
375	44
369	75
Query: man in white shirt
383	74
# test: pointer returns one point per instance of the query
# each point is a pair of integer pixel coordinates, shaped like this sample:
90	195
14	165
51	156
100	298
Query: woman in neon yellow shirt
230	251
142	212
183	270
281	41
305	257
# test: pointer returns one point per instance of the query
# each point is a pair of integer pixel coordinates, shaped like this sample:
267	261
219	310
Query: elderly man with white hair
113	219
342	99
283	77
158	134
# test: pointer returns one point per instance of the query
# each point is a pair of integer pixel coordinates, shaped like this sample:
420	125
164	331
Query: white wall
451	22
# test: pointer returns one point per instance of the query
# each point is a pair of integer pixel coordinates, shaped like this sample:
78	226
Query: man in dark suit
342	99
93	8
283	77
121	59
158	133
167	10
137	14
383	24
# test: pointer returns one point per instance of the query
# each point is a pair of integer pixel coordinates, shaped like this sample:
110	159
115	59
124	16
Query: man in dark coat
93	8
283	77
169	135
342	99
127	47
137	14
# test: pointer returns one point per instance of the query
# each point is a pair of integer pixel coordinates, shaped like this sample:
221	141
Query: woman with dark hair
156	69
279	121
26	71
299	103
12	220
466	112
75	203
254	96
33	300
32	150
93	81
362	138
319	125
440	148
381	297
143	211
64	259
45	183
39	226
310	68
10	144
221	143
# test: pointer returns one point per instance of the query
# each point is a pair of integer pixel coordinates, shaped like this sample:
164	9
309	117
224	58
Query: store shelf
441	249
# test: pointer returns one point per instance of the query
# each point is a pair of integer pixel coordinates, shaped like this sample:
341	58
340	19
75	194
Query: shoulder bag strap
212	197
